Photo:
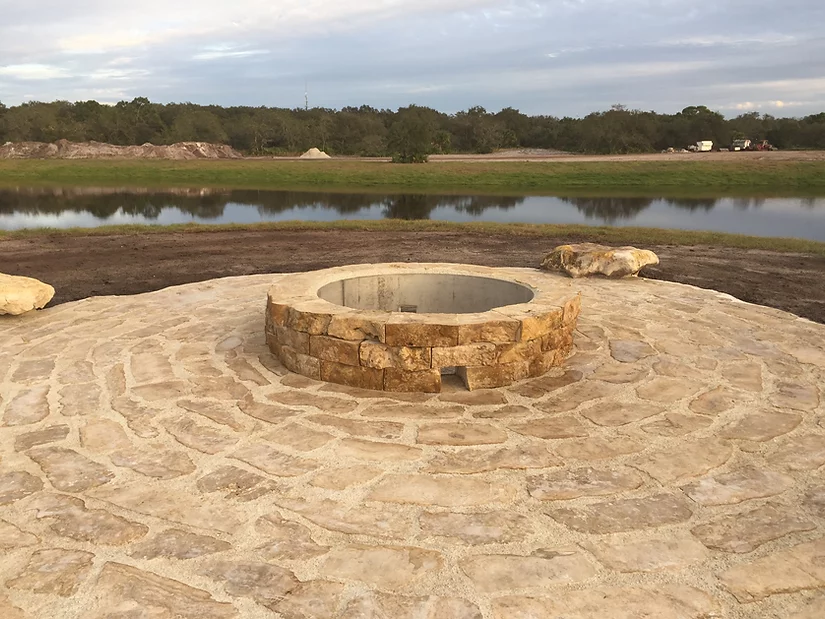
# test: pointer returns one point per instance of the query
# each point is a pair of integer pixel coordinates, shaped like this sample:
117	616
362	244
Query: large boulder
19	295
586	259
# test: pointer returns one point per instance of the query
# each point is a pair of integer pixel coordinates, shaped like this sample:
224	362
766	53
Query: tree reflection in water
105	203
610	210
209	204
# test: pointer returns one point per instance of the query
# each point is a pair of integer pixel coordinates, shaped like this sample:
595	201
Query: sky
554	57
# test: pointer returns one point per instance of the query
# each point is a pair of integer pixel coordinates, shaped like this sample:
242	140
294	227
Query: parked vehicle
743	144
705	146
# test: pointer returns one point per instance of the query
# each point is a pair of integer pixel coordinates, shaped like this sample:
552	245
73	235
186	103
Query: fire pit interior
398	327
425	293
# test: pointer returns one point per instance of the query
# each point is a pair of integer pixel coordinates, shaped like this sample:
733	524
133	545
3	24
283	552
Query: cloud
32	71
560	57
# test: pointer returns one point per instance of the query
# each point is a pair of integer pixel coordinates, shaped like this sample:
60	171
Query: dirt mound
314	153
63	149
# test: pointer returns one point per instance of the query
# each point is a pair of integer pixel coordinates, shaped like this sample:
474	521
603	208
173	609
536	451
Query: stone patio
157	462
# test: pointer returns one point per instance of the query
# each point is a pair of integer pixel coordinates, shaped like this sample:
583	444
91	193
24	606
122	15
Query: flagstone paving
156	461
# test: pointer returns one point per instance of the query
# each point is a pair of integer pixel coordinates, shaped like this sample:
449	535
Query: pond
38	207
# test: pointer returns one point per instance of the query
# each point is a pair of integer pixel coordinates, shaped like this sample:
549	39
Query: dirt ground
84	266
539	154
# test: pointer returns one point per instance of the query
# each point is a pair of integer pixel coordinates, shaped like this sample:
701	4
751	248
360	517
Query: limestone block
545	361
428	381
283	336
400	332
481	353
19	295
352	375
536	320
523	351
332	349
489	377
299	363
352	327
379	356
308	320
489	330
584	259
561	339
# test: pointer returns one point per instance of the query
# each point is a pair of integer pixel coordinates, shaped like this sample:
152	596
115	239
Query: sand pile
314	153
63	149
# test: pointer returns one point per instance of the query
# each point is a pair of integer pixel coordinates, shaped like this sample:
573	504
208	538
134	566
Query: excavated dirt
63	149
85	266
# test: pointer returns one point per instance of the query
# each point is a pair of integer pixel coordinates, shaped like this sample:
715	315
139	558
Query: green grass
688	173
570	232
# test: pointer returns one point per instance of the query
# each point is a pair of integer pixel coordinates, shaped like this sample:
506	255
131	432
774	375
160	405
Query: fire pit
399	327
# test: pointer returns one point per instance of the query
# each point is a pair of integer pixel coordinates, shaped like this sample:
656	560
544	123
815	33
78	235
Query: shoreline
599	234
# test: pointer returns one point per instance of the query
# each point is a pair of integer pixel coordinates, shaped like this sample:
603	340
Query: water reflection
210	204
28	207
610	210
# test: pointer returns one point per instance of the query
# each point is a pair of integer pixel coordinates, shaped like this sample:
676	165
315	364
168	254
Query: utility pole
306	97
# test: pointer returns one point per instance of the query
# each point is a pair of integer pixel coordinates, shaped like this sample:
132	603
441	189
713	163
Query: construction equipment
743	144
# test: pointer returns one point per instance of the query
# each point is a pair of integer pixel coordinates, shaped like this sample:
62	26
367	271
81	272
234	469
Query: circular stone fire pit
398	327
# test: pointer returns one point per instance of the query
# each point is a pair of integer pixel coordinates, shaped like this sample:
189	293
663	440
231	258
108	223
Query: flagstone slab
624	514
798	568
16	485
748	482
574	483
679	601
744	532
444	491
12	536
179	544
496	527
381	566
546	567
142	593
53	571
651	555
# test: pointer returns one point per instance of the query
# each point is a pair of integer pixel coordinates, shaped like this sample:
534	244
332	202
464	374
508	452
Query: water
89	207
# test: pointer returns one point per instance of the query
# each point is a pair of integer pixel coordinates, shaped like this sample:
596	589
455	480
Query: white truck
701	147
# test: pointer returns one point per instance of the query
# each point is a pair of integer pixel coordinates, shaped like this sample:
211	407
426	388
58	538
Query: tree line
409	133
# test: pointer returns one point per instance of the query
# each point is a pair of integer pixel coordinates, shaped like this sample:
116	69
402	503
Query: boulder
586	259
19	295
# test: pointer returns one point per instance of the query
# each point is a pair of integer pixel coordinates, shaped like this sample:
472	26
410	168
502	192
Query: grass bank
643	237
689	173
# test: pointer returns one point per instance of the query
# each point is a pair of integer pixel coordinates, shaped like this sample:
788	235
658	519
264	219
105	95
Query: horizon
543	57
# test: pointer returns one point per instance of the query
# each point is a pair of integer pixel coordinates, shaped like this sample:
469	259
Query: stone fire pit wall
373	345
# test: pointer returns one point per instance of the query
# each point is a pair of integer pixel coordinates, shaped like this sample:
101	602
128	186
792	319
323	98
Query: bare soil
528	155
538	154
81	266
63	149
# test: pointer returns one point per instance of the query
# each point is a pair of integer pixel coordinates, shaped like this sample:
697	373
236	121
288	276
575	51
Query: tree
197	126
411	136
410	133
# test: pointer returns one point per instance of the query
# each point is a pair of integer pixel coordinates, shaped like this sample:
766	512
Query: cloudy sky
559	57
